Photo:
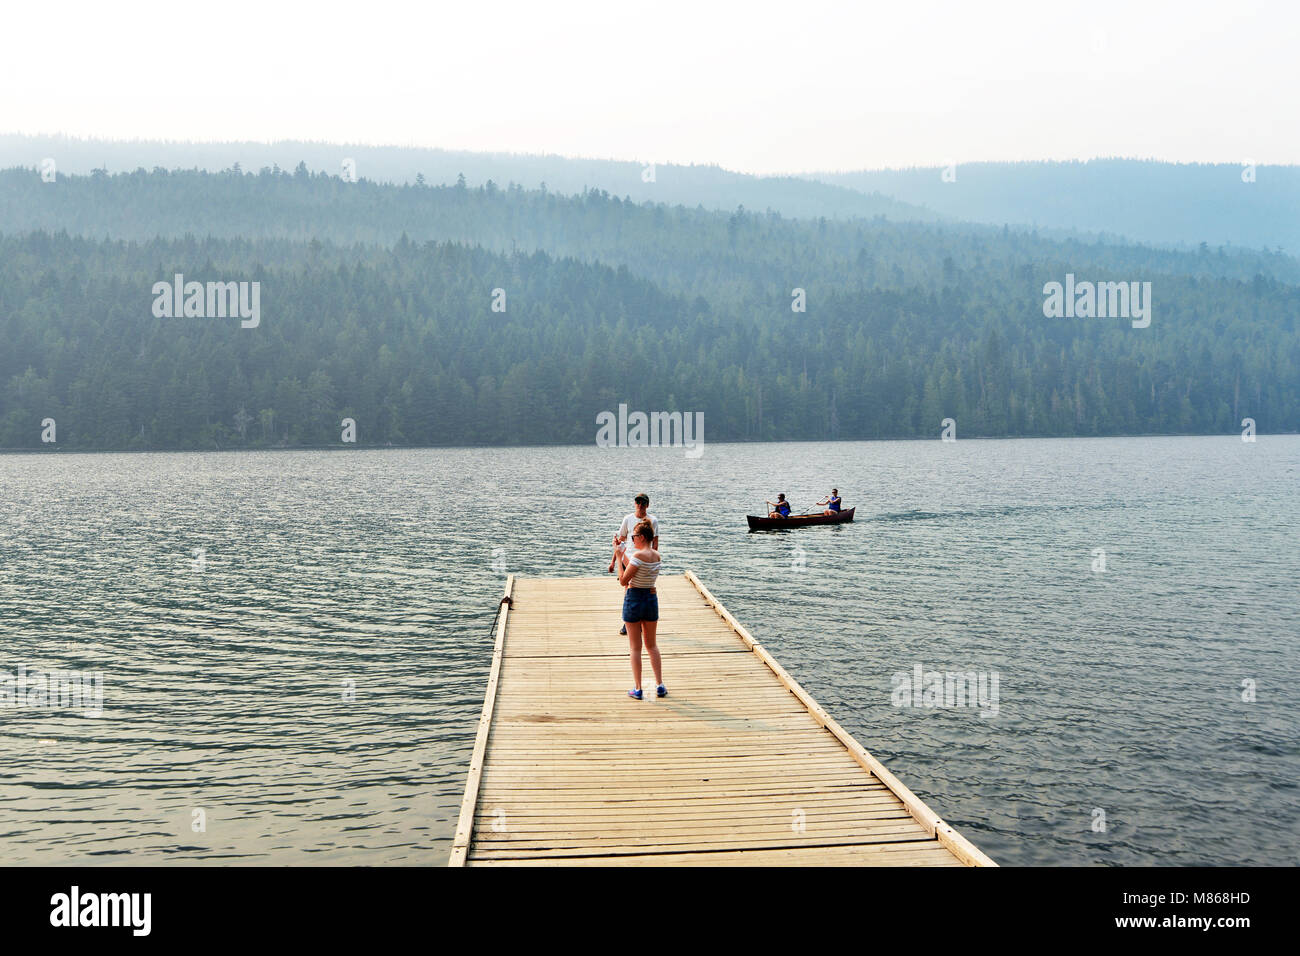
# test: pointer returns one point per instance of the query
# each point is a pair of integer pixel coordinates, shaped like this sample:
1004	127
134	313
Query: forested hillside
686	250
906	324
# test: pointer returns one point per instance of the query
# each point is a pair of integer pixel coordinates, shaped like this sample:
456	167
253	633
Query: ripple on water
295	644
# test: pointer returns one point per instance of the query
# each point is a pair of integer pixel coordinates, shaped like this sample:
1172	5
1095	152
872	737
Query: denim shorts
640	604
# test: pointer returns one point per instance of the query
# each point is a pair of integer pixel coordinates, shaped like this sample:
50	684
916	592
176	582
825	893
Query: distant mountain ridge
684	248
1127	200
712	187
1255	207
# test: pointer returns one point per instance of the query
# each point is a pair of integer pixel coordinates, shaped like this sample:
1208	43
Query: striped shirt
646	572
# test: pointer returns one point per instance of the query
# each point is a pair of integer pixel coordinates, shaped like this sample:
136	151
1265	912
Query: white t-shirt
629	525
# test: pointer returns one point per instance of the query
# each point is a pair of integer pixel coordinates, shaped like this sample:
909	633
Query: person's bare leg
648	629
634	642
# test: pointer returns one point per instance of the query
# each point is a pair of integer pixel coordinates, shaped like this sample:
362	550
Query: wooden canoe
764	523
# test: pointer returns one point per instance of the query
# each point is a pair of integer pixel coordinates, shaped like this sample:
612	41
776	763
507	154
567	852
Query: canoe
764	523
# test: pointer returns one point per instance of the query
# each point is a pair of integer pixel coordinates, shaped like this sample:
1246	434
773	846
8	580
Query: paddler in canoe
833	503
781	507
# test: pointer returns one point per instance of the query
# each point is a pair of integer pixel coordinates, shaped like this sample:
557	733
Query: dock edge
932	823
465	824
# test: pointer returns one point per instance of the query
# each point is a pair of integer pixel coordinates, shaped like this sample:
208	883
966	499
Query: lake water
305	688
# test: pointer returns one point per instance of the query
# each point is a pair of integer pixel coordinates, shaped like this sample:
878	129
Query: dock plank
738	766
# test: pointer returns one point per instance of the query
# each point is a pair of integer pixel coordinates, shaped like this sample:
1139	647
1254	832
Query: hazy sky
758	87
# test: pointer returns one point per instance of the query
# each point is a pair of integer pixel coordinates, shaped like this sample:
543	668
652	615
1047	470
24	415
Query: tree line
403	339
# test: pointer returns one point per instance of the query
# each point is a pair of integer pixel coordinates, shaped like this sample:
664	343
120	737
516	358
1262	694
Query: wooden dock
736	766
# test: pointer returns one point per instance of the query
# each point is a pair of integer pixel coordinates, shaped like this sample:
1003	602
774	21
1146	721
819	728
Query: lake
294	645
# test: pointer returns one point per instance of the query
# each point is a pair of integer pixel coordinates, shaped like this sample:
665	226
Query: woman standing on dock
641	605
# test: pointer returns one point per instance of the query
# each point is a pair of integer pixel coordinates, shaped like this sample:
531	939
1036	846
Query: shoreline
667	448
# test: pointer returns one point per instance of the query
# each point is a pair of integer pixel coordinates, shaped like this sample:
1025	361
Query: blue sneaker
661	691
635	694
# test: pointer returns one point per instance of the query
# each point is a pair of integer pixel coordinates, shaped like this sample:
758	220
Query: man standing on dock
623	539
